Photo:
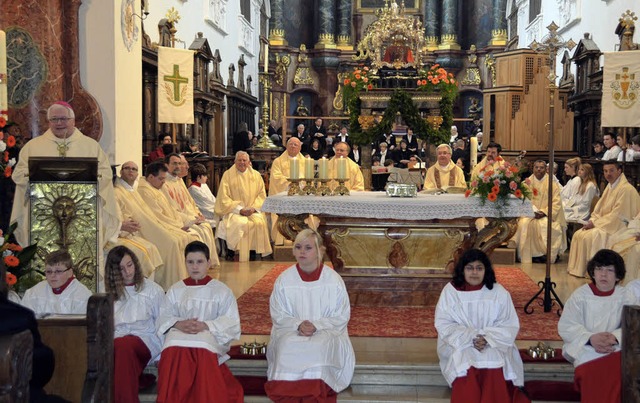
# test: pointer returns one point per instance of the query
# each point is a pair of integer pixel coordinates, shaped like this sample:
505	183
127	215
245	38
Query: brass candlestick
294	187
309	189
322	187
341	189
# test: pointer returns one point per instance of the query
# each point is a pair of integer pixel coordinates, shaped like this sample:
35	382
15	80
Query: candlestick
146	6
322	168
294	168
3	73
308	168
473	144
266	57
342	168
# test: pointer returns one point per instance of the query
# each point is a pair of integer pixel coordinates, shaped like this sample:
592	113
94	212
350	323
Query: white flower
3	146
12	162
7	253
1	240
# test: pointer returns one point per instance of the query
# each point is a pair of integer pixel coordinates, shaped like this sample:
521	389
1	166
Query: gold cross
176	80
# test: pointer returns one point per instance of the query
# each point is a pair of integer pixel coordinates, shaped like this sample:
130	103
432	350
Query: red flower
11	141
498	158
3	121
5	157
467	193
518	193
11	279
492	197
8	171
11	261
14	247
370	86
495	189
346	81
535	191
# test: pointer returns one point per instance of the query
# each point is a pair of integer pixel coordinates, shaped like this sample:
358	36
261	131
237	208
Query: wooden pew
631	353
82	374
16	352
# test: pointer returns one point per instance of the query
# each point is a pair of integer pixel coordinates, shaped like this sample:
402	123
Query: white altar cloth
379	205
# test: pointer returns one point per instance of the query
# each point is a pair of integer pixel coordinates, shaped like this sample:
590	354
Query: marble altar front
397	251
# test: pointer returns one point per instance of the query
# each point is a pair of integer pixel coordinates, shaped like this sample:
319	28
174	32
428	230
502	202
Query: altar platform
397	251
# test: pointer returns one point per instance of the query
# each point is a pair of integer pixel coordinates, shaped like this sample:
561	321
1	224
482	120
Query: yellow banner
621	89
175	85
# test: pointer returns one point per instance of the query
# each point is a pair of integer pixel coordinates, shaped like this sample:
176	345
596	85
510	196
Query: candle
266	57
473	144
308	168
322	168
342	168
294	168
3	73
146	6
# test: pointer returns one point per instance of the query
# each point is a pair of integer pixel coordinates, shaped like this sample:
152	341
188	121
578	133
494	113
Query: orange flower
3	121
11	141
492	197
365	80
489	173
535	191
346	81
419	82
14	247
446	81
513	169
358	76
517	193
467	193
11	261
424	82
357	71
11	279
495	189
498	158
7	171
5	156
353	84
366	68
1	135
370	86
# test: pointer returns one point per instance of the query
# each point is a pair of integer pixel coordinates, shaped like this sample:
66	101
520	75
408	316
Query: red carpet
402	321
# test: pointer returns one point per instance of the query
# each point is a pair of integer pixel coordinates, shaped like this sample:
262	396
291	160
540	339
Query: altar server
135	311
60	292
477	327
590	327
198	319
310	357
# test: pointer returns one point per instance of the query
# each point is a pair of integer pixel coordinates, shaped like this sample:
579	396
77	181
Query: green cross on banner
176	79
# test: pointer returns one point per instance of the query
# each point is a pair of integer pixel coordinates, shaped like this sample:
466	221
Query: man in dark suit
303	137
318	131
412	140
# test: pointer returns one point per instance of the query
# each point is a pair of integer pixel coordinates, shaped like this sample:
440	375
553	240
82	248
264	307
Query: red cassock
131	356
304	390
598	381
485	386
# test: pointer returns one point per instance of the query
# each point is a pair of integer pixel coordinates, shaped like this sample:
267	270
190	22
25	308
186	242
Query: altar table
397	251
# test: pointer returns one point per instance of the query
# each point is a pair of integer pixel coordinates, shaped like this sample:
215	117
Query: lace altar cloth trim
379	205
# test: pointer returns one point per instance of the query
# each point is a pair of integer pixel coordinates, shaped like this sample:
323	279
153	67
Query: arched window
245	10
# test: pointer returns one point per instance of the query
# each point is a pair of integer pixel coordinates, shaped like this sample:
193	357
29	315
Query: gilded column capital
431	43
344	42
326	41
449	42
276	37
498	37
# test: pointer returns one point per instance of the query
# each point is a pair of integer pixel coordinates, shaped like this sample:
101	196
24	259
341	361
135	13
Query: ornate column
499	31
432	17
326	25
276	34
344	25
448	34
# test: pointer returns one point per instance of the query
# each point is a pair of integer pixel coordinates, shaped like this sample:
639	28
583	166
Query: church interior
398	81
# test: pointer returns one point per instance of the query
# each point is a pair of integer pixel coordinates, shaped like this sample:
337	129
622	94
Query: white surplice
328	354
570	189
41	299
205	200
212	303
584	314
461	316
578	207
136	314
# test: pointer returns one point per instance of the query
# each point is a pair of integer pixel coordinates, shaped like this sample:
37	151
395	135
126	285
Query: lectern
63	212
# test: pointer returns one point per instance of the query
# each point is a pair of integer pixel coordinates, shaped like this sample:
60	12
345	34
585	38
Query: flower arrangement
19	275
6	163
499	184
361	78
437	77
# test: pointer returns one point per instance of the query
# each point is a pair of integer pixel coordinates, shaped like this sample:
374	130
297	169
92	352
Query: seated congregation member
315	152
60	292
590	327
477	327
240	196
170	240
355	180
571	167
491	160
383	153
355	154
310	356
531	235
135	311
402	154
632	151
627	243
176	192
201	194
620	201
444	173
578	207
198	320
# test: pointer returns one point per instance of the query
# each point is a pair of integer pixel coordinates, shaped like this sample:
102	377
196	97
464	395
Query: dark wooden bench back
16	352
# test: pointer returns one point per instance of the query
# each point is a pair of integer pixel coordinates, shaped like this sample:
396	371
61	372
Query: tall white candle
146	6
308	168
473	144
3	72
294	168
322	168
342	168
266	57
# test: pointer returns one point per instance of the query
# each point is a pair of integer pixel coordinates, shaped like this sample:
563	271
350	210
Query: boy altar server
198	319
60	292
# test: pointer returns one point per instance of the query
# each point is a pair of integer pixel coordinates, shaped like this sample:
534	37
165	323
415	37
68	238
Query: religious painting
371	6
64	216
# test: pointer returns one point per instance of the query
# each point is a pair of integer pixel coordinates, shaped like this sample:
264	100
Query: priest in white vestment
279	174
170	240
240	196
310	348
531	235
178	195
444	173
619	203
64	140
355	180
60	292
492	160
627	243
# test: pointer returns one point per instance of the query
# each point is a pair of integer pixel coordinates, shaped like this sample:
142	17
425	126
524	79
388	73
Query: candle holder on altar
309	188
322	187
341	189
294	187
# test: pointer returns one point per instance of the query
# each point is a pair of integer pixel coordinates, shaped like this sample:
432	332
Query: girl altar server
310	355
477	327
199	319
590	327
135	311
